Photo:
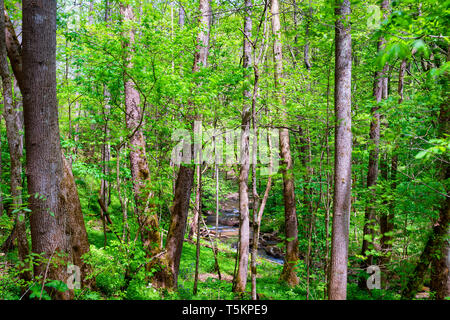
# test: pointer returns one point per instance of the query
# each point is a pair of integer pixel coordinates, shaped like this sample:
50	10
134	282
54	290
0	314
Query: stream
228	230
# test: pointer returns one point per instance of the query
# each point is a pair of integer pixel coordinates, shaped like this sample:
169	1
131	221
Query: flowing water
228	231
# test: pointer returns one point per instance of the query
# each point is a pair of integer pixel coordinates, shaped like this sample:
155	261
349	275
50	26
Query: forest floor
110	265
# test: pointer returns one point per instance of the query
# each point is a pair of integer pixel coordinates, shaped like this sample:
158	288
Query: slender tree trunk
216	171
343	153
123	205
244	215
380	92
202	50
306	47
148	219
14	126
257	217
401	77
386	220
255	220
197	225
295	20
1	174
288	274
195	219
329	181
181	16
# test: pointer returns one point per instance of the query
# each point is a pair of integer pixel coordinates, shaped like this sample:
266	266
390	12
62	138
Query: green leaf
58	285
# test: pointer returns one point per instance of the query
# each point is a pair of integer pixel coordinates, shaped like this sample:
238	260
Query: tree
343	152
148	220
288	274
14	125
54	203
379	92
244	215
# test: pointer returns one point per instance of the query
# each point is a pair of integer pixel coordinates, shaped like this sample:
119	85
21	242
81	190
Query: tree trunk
288	274
306	47
14	126
123	205
148	219
76	230
401	77
244	215
380	92
175	237
197	216
194	224
181	16
202	50
50	218
257	217
343	153
183	186
387	219
1	174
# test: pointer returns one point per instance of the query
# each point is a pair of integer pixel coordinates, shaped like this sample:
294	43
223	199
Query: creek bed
228	232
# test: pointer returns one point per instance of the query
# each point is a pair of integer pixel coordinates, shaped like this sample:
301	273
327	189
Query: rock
274	251
233	196
425	294
231	175
230	222
270	238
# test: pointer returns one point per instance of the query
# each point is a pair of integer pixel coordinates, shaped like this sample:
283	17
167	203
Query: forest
224	150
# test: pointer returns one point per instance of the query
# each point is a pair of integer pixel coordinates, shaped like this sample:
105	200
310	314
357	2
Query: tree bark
197	216
401	77
181	16
194	224
148	219
14	126
1	174
288	273
306	47
202	50
69	196
387	219
244	215
175	237
380	92
343	153
56	221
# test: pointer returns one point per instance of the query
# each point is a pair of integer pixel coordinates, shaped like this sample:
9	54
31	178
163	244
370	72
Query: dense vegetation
131	75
